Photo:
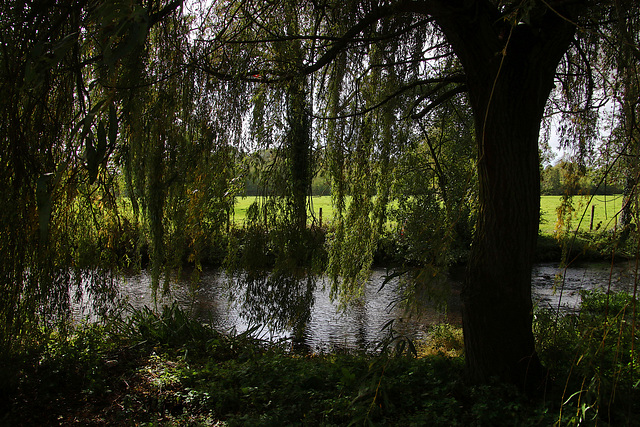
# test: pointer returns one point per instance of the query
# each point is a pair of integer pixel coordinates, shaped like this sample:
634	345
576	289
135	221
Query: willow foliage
104	142
357	113
55	134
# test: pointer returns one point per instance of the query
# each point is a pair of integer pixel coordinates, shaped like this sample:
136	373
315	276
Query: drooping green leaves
43	198
124	27
60	64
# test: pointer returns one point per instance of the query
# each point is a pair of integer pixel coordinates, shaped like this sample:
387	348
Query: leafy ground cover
168	369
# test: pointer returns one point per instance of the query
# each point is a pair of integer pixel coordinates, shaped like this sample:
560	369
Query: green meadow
605	209
317	203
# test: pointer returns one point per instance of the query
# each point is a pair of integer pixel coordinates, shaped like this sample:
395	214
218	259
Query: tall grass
593	360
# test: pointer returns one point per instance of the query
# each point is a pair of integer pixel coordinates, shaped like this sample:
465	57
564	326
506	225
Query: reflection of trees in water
361	320
277	300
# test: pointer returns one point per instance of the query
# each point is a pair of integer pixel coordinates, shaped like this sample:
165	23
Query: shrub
591	354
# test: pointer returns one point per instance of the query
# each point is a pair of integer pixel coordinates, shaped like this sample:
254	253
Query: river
237	307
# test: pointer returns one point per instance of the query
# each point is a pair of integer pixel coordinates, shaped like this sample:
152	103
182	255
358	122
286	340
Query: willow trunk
497	306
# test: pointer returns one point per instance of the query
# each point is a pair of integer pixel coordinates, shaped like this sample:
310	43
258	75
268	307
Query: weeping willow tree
270	255
628	29
384	67
382	78
50	150
65	230
93	91
177	152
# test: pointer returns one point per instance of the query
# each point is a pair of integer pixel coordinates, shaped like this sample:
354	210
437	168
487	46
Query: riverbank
588	231
169	369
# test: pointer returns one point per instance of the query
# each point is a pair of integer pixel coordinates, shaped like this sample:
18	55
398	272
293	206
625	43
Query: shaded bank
168	368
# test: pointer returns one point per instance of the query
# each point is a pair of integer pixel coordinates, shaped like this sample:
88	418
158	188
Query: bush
444	340
591	354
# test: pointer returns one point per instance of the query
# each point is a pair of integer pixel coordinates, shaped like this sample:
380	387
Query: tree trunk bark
510	72
299	147
497	307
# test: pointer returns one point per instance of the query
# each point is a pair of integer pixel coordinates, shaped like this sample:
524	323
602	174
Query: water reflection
296	307
281	302
299	307
559	289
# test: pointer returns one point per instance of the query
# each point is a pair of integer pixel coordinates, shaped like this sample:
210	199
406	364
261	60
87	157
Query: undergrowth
168	369
593	360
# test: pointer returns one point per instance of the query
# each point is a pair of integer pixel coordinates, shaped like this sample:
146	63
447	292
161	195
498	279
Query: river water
556	288
233	306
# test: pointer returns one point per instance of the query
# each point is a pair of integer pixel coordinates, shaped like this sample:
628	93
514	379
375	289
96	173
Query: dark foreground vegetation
168	369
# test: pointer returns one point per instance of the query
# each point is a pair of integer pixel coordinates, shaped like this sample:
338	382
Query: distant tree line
555	180
320	186
570	178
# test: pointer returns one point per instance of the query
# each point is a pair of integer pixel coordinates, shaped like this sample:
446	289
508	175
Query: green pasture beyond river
604	210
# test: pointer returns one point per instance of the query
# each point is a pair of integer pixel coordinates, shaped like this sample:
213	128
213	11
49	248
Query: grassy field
318	202
605	210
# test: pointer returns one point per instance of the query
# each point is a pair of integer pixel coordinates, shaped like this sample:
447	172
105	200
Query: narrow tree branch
349	36
440	100
449	79
165	11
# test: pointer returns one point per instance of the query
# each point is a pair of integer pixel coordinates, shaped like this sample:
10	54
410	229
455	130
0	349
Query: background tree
629	105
